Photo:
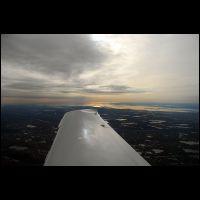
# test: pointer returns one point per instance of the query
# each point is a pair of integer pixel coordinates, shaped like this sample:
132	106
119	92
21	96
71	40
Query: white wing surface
85	139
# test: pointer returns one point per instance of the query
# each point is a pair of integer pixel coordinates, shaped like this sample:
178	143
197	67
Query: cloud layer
83	68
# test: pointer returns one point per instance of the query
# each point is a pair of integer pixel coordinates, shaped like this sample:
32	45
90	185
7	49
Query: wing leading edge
85	139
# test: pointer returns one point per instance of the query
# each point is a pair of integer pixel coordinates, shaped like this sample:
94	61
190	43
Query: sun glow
99	37
108	41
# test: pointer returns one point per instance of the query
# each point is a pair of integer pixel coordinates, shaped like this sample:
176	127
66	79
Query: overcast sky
97	69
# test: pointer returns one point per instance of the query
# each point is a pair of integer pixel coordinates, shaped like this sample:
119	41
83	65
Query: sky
95	69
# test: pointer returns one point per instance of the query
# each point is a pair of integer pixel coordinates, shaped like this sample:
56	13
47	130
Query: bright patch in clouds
99	68
108	41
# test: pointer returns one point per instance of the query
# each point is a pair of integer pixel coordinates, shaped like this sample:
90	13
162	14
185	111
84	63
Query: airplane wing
85	139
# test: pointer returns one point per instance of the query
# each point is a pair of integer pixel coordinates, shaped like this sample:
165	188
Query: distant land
156	106
163	138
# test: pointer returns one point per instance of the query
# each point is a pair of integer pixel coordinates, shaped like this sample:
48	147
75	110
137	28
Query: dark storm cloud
66	54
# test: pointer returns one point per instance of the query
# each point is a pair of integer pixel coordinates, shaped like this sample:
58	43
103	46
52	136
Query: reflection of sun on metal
88	137
85	134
